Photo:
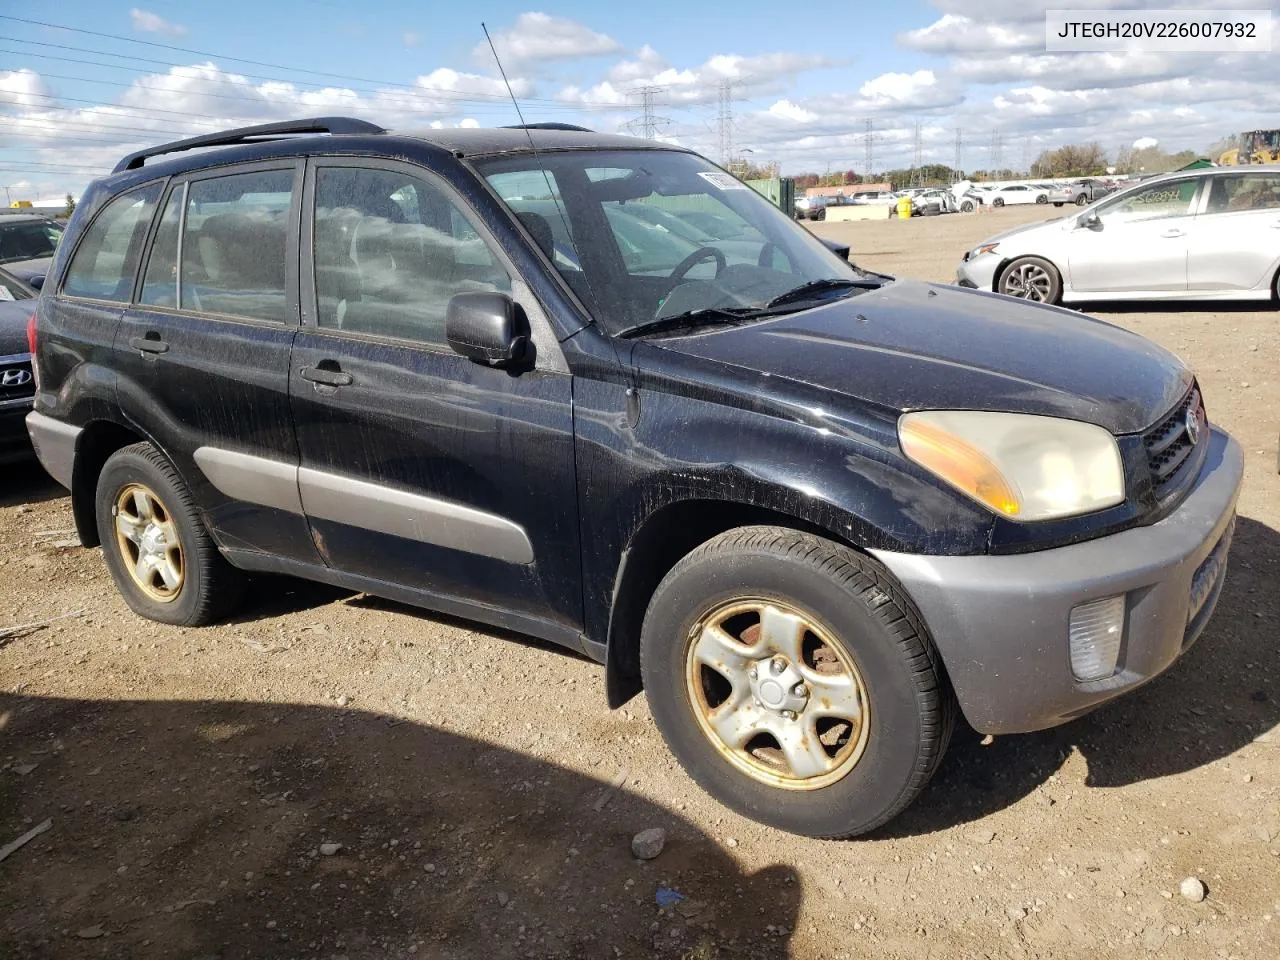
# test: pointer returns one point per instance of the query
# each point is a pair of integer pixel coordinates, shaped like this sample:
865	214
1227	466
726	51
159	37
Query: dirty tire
856	601
211	588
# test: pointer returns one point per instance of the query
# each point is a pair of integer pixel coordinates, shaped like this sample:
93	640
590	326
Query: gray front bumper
1000	622
978	273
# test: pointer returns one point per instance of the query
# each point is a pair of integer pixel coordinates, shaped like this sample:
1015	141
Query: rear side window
1252	191
233	246
104	263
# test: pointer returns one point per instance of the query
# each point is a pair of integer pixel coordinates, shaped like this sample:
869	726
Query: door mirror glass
489	328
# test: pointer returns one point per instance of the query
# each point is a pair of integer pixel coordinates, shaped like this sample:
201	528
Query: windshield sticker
723	181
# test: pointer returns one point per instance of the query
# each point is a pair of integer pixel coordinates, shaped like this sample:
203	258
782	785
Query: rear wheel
160	555
795	681
967	206
998	202
1031	278
1042	199
1057	204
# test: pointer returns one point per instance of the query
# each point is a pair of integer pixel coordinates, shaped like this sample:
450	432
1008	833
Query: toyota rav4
813	512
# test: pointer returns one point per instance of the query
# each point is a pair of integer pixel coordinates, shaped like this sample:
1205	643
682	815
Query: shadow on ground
26	482
194	830
1222	695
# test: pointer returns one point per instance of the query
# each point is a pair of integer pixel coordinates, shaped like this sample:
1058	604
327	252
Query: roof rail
264	131
549	126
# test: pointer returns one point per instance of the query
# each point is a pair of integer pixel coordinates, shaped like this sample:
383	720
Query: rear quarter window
104	262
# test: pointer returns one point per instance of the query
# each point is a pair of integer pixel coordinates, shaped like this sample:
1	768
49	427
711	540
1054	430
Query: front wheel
1082	200
161	557
966	207
1042	199
1031	278
795	681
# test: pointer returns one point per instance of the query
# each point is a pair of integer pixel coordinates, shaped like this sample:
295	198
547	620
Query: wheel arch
98	441
666	536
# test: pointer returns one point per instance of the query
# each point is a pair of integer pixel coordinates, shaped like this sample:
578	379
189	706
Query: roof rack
549	126
264	131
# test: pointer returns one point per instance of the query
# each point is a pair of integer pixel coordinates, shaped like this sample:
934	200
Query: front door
420	468
1237	238
1139	242
203	352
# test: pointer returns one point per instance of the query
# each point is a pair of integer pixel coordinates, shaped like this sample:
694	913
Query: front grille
1170	442
16	380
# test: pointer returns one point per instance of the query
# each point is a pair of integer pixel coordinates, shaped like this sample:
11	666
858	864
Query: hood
1025	228
31	270
14	315
916	346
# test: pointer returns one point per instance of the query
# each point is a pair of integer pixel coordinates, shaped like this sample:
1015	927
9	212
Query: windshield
28	240
645	235
11	288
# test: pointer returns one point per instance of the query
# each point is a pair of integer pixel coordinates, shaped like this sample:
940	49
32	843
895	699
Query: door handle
326	376
1172	234
151	343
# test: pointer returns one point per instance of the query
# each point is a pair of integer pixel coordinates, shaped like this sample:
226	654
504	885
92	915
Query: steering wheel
695	258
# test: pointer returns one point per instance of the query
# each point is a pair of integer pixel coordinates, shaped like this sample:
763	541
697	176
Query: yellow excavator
1256	146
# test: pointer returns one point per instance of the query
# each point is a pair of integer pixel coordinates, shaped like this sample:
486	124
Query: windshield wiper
703	317
804	291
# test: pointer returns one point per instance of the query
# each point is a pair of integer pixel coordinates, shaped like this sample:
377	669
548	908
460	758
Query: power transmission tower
996	146
646	125
868	143
959	156
724	121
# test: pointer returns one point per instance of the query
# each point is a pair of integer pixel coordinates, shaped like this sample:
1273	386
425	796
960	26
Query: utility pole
724	121
917	177
868	142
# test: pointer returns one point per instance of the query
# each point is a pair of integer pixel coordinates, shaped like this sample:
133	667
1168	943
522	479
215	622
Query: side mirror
1090	221
489	328
36	283
841	250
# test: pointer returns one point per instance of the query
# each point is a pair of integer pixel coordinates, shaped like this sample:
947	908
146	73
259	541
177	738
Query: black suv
812	511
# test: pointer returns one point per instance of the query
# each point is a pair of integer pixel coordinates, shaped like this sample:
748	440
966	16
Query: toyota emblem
1193	425
14	377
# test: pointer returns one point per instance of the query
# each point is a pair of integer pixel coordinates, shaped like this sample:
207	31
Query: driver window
390	253
1172	198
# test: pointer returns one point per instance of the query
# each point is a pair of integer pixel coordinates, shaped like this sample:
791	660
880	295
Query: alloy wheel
776	695
1028	281
149	543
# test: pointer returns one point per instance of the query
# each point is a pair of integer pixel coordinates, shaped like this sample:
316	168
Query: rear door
1236	242
1139	244
420	468
203	351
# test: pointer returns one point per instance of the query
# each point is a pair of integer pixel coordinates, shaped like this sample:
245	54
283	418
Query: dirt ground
484	797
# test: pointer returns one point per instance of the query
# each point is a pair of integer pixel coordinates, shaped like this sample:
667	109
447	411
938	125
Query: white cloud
22	88
1143	143
647	62
411	38
959	34
540	37
787	110
149	22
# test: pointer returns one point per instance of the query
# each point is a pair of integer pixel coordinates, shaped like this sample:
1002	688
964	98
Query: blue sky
805	79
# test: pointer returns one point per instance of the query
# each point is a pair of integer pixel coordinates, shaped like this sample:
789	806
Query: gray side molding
371	506
364	505
55	444
242	476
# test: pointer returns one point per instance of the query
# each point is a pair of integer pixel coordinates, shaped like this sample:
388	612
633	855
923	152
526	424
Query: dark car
17	385
812	512
27	243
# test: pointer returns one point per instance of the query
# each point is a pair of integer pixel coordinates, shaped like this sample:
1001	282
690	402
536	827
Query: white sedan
1017	193
1209	234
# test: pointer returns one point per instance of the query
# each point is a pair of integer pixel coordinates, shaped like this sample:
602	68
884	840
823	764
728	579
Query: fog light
1096	631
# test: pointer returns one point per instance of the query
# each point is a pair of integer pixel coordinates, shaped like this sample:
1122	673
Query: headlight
985	248
1021	466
